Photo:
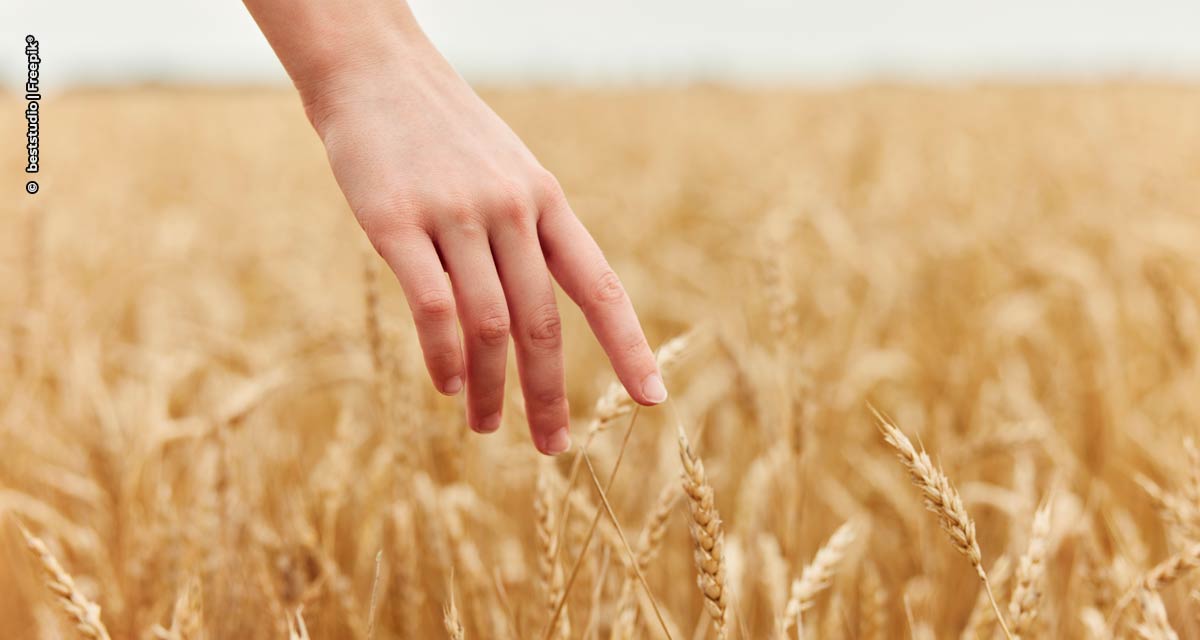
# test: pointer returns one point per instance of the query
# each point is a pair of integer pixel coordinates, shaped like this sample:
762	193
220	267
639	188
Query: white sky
637	40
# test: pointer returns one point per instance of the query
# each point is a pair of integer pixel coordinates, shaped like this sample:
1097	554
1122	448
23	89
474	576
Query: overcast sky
637	40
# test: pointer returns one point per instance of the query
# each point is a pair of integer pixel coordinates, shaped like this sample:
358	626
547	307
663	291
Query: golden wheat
943	500
708	536
82	611
221	417
816	576
1030	577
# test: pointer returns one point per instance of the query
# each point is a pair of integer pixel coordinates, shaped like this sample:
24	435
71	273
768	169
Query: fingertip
487	424
555	443
452	386
653	390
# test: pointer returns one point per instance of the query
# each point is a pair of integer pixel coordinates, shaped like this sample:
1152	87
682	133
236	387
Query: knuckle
433	306
388	220
442	360
547	185
549	397
607	288
511	206
544	328
464	216
493	329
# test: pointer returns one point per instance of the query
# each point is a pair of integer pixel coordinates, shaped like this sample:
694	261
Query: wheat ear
1154	625
1030	576
941	499
872	607
450	618
708	535
816	577
1161	575
187	616
83	612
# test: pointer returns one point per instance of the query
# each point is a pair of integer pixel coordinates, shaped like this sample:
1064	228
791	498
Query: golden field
215	417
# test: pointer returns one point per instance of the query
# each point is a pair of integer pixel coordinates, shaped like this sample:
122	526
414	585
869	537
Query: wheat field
924	345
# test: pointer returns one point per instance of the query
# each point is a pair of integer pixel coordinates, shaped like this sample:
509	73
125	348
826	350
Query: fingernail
557	442
653	389
489	424
453	386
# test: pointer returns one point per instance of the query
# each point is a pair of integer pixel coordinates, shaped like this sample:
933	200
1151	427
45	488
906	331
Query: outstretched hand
441	185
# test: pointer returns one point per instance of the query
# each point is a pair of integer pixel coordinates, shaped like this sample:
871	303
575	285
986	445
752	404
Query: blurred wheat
213	425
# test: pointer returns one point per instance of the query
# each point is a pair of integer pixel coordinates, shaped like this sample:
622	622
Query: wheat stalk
941	499
371	610
982	615
615	403
816	577
605	507
649	543
708	536
82	611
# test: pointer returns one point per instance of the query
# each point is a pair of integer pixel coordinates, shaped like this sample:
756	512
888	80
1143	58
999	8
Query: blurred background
638	41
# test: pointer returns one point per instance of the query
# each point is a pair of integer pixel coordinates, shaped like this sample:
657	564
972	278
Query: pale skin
443	187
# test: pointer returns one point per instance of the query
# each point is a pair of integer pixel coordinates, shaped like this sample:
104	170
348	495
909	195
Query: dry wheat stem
592	531
82	611
632	557
648	544
982	613
941	499
613	404
371	610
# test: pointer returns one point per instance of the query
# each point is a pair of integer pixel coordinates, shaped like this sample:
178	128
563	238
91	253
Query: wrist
336	53
356	74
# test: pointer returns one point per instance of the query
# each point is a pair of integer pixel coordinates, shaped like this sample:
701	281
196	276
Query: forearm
325	45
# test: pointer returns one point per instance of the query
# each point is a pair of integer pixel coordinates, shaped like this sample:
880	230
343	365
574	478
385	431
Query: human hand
441	184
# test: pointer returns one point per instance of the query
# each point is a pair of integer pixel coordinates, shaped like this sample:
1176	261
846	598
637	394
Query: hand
441	184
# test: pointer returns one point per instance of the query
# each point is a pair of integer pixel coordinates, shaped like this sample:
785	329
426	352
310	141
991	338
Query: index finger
580	267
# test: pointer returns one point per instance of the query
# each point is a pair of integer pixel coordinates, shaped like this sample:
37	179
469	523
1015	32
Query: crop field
933	355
